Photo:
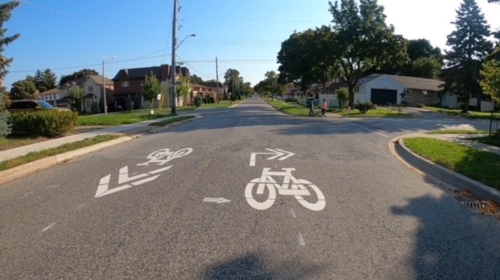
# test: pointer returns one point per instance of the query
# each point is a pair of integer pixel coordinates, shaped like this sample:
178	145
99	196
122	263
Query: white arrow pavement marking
217	200
276	154
103	188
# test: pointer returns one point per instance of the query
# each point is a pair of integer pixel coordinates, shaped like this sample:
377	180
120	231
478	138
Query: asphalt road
379	219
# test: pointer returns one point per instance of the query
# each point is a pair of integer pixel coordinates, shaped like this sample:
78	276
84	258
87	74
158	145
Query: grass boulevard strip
33	156
296	109
478	165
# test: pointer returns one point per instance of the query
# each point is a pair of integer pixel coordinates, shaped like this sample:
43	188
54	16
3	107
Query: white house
382	89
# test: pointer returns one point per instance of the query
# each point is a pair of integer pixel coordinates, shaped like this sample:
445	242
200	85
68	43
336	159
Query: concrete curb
436	171
41	164
35	166
161	129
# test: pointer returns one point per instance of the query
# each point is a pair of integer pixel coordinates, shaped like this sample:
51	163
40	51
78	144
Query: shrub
197	101
48	123
101	105
94	108
361	106
5	126
212	100
137	102
129	104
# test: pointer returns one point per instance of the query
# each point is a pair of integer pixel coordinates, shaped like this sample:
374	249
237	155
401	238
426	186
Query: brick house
130	82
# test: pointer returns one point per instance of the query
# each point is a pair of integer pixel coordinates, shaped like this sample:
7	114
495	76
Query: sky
69	35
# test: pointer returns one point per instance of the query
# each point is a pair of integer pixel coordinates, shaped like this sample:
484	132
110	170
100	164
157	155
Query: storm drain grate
474	204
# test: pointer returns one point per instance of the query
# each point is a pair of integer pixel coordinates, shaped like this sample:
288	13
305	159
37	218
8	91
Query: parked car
32	105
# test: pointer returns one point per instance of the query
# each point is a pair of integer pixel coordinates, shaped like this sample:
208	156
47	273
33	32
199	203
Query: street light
104	84
173	66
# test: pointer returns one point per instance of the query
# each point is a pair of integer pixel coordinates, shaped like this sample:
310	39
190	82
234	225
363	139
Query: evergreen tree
5	14
469	46
49	79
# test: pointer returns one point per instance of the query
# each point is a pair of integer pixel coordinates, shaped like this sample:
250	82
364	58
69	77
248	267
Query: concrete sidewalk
21	151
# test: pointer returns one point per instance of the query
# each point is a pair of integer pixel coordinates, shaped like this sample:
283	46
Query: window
46	105
125	84
356	89
91	88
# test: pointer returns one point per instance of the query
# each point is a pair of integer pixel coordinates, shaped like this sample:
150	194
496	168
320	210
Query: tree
195	79
5	14
23	89
232	77
152	87
75	95
183	88
363	40
342	96
469	48
425	67
137	102
76	75
490	82
49	80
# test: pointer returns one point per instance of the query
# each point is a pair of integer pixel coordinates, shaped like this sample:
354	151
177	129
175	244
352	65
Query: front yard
458	112
373	113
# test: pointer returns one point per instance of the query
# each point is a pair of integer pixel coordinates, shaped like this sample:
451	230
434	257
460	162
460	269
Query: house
92	88
130	82
383	89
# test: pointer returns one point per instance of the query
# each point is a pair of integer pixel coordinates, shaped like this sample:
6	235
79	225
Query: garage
384	96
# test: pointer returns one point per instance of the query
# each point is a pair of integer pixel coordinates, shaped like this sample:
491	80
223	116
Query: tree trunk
465	107
351	96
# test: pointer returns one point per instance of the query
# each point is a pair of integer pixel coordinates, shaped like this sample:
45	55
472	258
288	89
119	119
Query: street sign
275	154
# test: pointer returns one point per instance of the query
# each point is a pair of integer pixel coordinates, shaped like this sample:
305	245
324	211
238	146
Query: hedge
43	123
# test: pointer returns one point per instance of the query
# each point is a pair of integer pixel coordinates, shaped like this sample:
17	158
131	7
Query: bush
361	106
5	126
212	100
94	108
101	105
129	104
48	123
197	101
137	102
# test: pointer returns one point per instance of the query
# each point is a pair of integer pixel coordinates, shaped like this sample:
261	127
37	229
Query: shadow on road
254	266
452	242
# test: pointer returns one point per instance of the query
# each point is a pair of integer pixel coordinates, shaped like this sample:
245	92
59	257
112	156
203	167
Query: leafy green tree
491	79
195	79
232	78
426	67
183	88
76	75
23	89
5	14
469	47
129	104
152	87
75	96
342	96
363	40
44	80
137	102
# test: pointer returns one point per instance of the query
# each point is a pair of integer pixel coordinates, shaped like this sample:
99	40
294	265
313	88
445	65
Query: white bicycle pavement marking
276	154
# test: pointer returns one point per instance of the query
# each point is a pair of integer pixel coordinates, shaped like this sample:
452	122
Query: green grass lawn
172	120
458	112
290	109
493	141
120	118
373	113
222	105
457	131
11	163
478	165
12	142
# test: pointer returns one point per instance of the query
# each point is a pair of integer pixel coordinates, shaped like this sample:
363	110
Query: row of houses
129	83
383	89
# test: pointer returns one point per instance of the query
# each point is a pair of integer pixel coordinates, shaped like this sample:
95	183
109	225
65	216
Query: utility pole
217	78
173	67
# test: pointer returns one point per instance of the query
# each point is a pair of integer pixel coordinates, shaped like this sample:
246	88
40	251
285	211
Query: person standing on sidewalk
324	107
311	106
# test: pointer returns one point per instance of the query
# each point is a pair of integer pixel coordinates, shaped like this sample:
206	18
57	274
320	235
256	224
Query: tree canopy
24	89
152	87
195	79
469	47
76	75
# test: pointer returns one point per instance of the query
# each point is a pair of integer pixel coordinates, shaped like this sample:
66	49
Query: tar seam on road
293	213
369	130
48	227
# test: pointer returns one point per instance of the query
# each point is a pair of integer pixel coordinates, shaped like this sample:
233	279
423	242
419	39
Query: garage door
384	96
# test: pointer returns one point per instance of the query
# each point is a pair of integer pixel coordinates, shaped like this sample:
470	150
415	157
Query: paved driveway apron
186	204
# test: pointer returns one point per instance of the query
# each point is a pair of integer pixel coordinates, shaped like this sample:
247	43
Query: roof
139	73
51	91
419	83
409	82
98	80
